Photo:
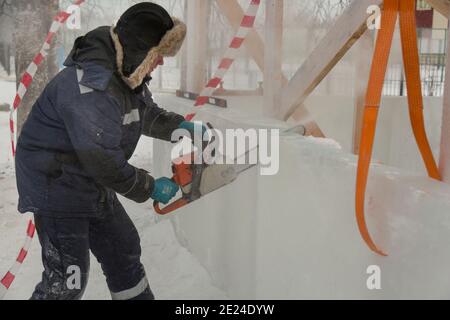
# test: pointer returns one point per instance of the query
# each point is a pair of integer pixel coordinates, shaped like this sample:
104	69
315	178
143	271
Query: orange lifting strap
406	9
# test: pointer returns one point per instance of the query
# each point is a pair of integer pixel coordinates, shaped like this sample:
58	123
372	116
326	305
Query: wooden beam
221	91
445	136
254	44
197	44
184	56
363	58
442	6
342	36
273	73
303	117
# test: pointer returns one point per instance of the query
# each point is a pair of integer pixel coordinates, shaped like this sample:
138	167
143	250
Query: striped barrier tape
230	55
25	82
247	23
29	74
8	279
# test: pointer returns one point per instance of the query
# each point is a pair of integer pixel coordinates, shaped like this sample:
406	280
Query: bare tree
320	13
32	23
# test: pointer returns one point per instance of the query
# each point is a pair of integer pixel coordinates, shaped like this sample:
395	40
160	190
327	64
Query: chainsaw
198	180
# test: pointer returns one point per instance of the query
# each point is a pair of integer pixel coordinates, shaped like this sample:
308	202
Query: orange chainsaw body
182	170
182	176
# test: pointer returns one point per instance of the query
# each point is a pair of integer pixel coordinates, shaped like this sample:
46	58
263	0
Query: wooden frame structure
196	45
442	6
254	45
284	98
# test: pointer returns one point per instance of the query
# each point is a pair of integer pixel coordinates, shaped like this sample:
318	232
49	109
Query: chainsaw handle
171	207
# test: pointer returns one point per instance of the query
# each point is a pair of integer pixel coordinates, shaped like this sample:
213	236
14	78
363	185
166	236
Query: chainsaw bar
202	180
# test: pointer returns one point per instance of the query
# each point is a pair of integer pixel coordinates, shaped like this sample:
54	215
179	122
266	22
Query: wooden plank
222	103
196	44
349	27
364	55
303	117
184	56
442	6
273	61
254	44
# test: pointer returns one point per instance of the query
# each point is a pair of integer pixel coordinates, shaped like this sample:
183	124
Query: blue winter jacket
73	151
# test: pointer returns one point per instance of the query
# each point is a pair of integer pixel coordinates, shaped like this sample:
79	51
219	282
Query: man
73	152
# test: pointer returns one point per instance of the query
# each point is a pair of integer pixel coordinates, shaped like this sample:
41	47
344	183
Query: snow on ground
7	91
173	272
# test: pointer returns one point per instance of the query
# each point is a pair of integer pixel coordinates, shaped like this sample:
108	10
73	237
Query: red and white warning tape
25	83
29	74
247	24
8	279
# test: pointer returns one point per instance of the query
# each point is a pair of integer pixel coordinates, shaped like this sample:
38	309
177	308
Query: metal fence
432	50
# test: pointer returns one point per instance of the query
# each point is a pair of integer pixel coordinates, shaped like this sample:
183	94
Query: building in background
429	18
432	29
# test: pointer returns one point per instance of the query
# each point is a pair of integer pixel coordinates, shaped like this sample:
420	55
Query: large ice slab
294	235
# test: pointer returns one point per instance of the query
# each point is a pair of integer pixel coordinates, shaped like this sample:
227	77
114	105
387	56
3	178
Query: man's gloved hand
164	190
194	129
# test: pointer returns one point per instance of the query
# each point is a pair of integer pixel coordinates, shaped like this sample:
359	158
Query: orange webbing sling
391	8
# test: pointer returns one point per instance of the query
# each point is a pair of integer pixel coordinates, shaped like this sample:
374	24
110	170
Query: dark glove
164	190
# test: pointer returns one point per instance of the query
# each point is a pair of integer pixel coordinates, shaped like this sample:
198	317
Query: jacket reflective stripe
133	292
83	89
131	117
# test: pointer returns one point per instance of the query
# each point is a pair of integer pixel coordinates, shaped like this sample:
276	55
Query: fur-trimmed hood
169	46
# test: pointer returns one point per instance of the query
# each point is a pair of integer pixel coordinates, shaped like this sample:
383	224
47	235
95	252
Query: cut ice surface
294	235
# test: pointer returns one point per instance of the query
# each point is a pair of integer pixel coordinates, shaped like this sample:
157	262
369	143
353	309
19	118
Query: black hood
96	47
140	29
